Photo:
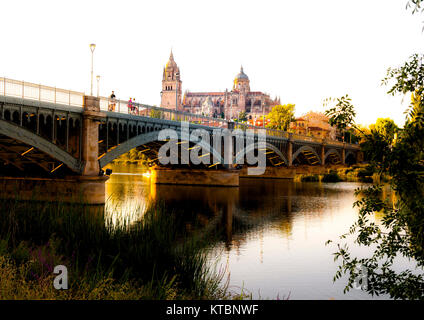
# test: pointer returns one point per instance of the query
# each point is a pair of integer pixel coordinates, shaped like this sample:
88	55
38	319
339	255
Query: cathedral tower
171	85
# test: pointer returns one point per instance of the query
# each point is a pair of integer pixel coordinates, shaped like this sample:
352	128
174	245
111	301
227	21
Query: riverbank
155	258
354	173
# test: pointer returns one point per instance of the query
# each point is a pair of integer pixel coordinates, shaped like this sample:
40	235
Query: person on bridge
135	107
130	106
112	102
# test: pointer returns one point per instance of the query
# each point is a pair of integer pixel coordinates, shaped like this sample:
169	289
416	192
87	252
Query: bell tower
171	86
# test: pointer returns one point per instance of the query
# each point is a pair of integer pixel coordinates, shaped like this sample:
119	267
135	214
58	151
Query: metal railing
27	90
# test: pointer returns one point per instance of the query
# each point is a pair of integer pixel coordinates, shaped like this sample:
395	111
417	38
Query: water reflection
268	234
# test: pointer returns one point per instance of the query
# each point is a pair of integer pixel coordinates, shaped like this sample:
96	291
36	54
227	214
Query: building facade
314	124
228	104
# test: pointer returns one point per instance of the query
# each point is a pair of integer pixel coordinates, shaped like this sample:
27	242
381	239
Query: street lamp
98	79
92	47
177	75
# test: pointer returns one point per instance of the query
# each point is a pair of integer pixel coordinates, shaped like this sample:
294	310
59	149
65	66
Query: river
273	243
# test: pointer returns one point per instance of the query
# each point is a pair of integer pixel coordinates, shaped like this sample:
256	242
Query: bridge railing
28	90
135	108
336	143
302	137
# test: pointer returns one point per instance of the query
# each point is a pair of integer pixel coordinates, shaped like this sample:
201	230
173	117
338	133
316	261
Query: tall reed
155	252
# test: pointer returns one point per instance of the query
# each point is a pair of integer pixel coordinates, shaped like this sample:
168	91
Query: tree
342	114
281	116
242	116
386	127
402	229
156	114
401	232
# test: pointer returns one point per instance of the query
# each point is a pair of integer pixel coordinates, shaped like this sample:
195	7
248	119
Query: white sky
302	51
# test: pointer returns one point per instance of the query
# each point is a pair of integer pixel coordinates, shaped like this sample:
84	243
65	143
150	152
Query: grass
154	258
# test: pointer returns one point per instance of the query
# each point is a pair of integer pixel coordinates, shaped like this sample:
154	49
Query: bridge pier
271	173
224	178
90	136
359	157
289	151
80	189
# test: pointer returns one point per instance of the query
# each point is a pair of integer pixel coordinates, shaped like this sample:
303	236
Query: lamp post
92	47
177	75
98	80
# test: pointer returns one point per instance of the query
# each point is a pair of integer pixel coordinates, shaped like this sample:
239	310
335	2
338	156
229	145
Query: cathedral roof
193	94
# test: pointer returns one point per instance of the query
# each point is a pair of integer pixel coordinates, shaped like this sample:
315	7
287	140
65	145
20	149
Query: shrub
310	178
332	176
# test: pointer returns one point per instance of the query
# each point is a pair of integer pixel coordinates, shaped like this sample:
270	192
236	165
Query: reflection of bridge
46	131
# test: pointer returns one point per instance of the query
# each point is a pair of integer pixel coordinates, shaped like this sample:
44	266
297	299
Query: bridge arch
251	147
332	151
306	148
13	131
147	138
350	153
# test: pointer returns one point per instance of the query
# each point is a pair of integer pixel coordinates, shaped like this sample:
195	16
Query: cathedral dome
242	75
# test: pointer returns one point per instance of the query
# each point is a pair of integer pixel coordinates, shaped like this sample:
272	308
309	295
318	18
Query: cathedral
226	104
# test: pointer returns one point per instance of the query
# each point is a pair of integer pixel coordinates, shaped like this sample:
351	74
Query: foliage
242	116
352	135
416	5
385	127
342	114
401	233
281	116
310	178
375	148
409	78
332	176
155	114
